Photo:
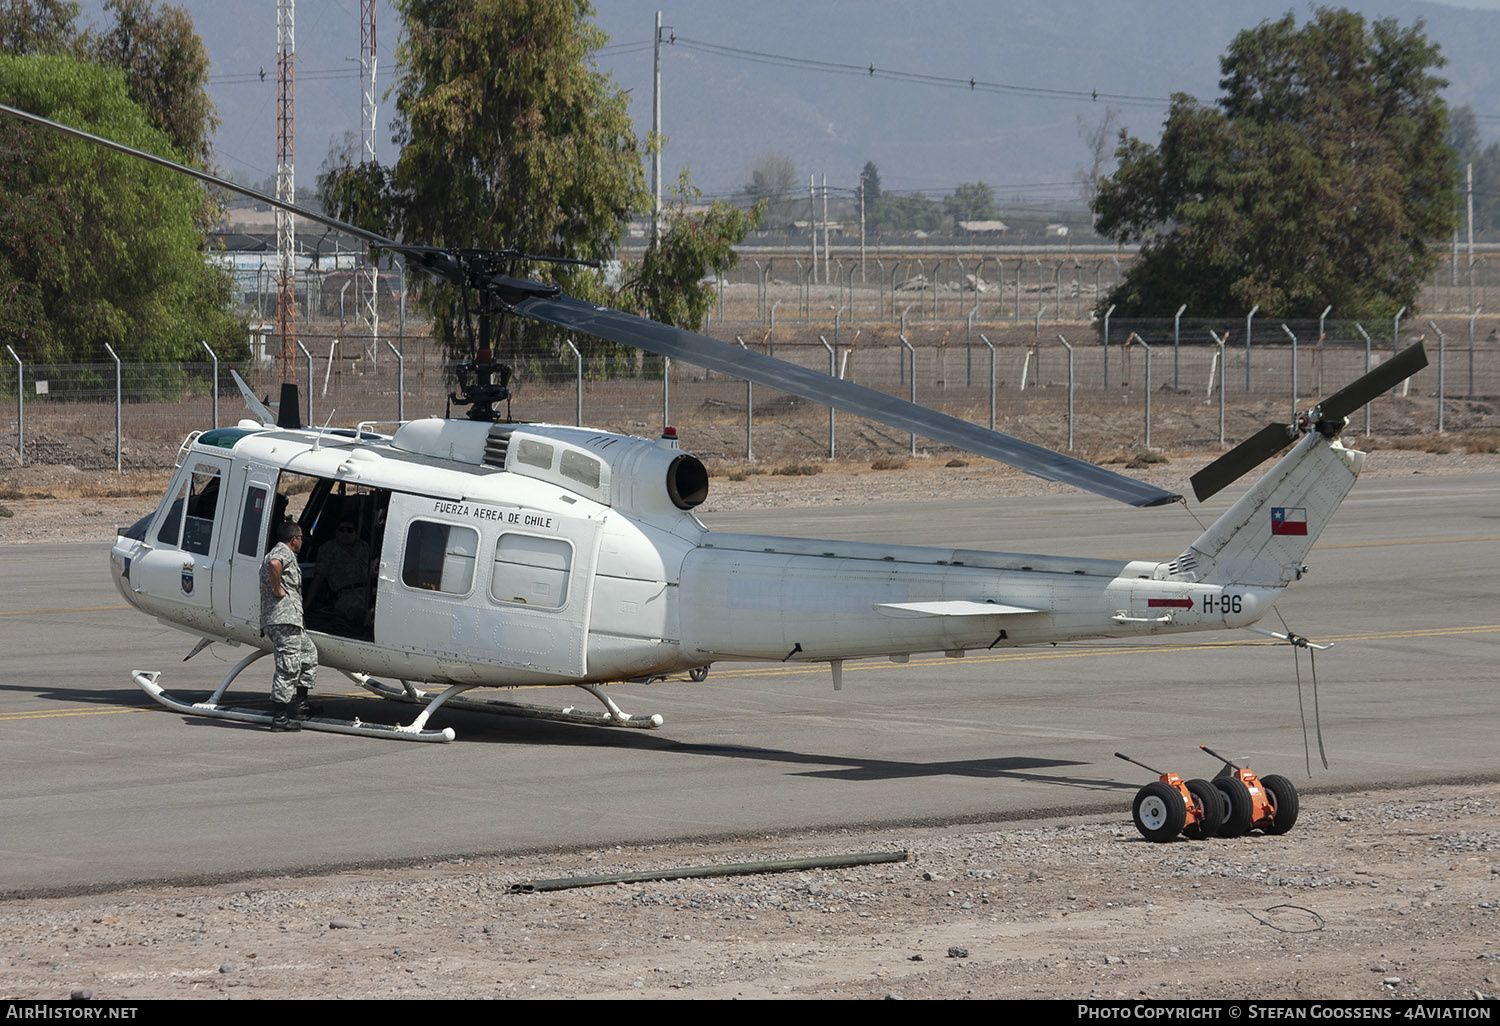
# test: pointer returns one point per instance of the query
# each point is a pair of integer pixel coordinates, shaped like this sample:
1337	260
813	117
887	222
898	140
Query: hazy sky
241	41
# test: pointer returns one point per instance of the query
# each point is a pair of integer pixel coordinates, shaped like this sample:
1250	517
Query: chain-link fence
1155	384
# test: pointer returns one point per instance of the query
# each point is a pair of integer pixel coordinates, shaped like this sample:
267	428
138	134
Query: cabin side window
534	453
531	570
255	511
439	557
580	467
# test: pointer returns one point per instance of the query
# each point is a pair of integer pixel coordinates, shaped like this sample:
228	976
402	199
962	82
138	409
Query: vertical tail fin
1264	537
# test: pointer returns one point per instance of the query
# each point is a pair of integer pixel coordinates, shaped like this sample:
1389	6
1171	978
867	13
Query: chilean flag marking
1288	520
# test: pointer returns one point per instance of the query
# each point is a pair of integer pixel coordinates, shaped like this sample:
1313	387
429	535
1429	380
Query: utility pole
827	244
370	276
656	136
812	222
861	227
286	190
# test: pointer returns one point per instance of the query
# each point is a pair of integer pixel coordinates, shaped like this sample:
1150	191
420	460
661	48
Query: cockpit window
199	495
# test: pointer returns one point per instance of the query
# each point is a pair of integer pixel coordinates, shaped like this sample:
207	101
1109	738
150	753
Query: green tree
98	247
773	182
166	70
907	213
870	176
671	282
1323	176
508	137
971	201
29	27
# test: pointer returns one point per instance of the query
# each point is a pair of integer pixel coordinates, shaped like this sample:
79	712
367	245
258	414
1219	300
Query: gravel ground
1375	894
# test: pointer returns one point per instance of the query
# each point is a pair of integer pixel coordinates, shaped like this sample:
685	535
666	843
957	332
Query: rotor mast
286	189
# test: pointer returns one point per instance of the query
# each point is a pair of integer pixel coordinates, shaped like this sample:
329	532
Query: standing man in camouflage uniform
281	621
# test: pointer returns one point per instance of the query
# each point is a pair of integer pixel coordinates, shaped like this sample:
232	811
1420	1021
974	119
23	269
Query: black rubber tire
1212	804
1283	798
1159	812
1240	808
698	673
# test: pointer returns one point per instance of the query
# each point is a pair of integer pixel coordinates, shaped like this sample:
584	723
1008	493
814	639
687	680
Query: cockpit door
184	543
251	526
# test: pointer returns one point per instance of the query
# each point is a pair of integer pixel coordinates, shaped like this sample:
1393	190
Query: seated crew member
344	569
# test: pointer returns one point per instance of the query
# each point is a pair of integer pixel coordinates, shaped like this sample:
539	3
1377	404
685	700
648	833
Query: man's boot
281	720
302	709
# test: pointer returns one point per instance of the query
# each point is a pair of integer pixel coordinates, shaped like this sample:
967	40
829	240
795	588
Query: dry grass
134	485
888	463
798	470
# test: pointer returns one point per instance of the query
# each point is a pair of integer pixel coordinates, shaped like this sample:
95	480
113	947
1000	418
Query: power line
871	70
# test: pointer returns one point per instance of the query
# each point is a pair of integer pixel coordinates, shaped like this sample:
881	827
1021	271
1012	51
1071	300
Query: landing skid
613	715
212	708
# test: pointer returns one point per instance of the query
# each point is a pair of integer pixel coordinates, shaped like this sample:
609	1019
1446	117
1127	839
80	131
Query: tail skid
1263	538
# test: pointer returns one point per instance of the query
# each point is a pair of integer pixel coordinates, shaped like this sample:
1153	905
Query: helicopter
500	554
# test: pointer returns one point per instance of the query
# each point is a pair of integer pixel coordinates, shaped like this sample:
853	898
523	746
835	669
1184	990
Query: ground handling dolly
1268	804
1169	806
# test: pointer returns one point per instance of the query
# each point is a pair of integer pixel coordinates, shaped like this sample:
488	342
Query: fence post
913	350
1470	393
772	335
1442	353
1219	357
212	356
1146	347
1248	318
1361	329
749	410
1294	371
987	342
119	414
1177	346
20	407
578	366
308	357
969	340
833	367
400	381
901	377
1070	389
1106	345
1319	359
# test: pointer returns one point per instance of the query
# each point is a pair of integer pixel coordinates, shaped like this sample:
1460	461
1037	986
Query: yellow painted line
74	609
42	715
1408	541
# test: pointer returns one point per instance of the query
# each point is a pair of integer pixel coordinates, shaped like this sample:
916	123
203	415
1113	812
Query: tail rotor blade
1242	459
1387	376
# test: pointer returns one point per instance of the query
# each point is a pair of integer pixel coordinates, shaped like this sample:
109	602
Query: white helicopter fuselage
505	555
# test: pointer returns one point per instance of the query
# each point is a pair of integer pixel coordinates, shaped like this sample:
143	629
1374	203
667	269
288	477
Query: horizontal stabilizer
956	607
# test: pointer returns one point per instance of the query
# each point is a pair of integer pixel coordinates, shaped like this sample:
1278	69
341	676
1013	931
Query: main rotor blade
1362	389
574	314
1242	459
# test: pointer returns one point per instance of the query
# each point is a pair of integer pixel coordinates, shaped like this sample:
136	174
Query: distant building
983	229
